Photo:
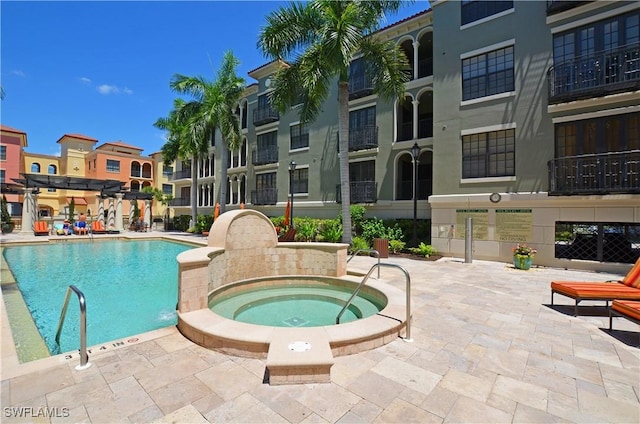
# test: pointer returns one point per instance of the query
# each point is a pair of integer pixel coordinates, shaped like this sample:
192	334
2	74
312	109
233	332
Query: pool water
130	287
287	305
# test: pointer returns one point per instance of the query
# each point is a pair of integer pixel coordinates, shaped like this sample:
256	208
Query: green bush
425	250
5	217
181	223
375	228
564	236
204	223
396	245
306	229
357	218
330	231
358	243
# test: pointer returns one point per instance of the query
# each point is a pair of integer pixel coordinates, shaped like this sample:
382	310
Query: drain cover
300	346
295	321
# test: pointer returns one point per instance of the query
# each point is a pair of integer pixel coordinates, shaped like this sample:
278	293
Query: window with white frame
113	165
299	136
489	154
488	74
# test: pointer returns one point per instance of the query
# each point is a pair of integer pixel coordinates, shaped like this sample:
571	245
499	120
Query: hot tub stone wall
243	244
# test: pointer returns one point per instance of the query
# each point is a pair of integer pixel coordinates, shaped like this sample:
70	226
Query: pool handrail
375	253
408	290
84	357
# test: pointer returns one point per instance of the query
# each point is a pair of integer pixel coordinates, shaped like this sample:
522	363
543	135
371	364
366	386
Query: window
2	176
35	167
488	74
490	154
53	170
113	165
266	180
474	10
167	171
3	152
299	136
610	134
362	171
362	118
167	189
360	82
300	181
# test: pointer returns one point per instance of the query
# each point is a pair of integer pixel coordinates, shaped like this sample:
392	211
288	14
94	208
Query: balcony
425	127
360	86
363	138
265	115
405	131
557	6
180	201
180	175
425	67
361	192
265	156
595	174
608	72
264	196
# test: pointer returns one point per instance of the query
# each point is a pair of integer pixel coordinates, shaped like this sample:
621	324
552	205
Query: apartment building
536	116
12	143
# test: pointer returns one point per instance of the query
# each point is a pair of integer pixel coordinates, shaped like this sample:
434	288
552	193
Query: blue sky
102	69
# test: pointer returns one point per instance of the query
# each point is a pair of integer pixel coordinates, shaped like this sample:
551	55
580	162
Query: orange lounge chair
627	289
624	308
98	228
40	228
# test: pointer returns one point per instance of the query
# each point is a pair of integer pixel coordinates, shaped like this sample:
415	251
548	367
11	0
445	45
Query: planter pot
522	262
7	228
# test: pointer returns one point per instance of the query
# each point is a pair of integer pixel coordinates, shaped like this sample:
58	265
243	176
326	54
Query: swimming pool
130	287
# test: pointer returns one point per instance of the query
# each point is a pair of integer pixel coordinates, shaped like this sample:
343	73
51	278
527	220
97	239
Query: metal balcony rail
264	155
264	115
180	201
179	175
363	138
264	196
616	172
606	72
360	85
425	67
425	127
360	191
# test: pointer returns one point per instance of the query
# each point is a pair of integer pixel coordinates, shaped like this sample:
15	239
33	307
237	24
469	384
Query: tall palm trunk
224	152
343	156
194	190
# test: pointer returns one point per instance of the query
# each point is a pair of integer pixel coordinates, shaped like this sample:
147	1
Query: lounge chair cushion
632	279
627	308
595	291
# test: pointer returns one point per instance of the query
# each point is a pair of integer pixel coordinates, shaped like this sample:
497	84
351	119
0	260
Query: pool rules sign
514	225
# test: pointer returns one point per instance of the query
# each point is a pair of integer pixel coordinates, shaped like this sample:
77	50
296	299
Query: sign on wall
514	225
480	223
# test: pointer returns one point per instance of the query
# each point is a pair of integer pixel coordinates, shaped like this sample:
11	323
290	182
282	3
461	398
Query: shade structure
287	213
216	211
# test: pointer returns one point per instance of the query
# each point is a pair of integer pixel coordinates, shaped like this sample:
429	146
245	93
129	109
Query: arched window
53	170
35	167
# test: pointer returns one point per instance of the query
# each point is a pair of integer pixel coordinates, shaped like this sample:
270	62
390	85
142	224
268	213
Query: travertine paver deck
486	348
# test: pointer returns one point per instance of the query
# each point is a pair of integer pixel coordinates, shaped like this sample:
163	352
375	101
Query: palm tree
217	105
317	40
185	141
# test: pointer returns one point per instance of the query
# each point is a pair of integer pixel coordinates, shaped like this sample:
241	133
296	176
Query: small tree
72	210
5	216
136	210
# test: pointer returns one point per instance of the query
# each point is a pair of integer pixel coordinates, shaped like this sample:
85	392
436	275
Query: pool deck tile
485	346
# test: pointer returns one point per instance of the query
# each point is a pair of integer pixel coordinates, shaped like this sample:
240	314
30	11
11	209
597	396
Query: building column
147	213
29	210
119	225
416	45
100	208
415	104
111	214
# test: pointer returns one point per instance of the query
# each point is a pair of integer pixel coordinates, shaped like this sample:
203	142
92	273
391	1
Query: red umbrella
216	211
287	212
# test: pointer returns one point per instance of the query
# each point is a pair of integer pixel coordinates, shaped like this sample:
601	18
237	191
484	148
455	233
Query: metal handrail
375	253
408	290
84	357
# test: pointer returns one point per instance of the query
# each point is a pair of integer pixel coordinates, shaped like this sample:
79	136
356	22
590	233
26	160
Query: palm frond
388	66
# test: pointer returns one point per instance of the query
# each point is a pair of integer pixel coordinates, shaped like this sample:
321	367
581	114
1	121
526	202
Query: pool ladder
84	357
407	337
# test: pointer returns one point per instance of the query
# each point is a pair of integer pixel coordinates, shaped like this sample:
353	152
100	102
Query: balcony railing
180	201
425	67
405	131
608	72
264	156
360	86
595	174
425	127
557	6
360	191
363	138
264	196
180	175
264	115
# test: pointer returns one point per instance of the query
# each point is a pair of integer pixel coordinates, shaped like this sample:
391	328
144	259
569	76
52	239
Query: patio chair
626	289
41	228
290	235
98	228
626	309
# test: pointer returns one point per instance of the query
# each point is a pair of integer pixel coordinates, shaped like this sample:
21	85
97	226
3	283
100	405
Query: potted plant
523	256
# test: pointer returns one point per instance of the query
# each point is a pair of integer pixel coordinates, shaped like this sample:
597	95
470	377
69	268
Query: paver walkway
486	348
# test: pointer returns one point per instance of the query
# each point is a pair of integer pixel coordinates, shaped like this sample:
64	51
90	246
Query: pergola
108	189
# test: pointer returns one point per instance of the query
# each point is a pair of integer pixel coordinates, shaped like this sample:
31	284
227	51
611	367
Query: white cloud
85	81
113	89
18	73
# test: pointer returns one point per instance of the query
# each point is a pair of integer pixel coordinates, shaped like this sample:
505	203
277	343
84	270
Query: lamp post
292	167
415	154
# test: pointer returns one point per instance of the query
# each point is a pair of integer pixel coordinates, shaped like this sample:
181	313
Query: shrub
181	223
203	223
425	250
5	217
358	243
375	228
357	217
306	229
396	245
331	231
